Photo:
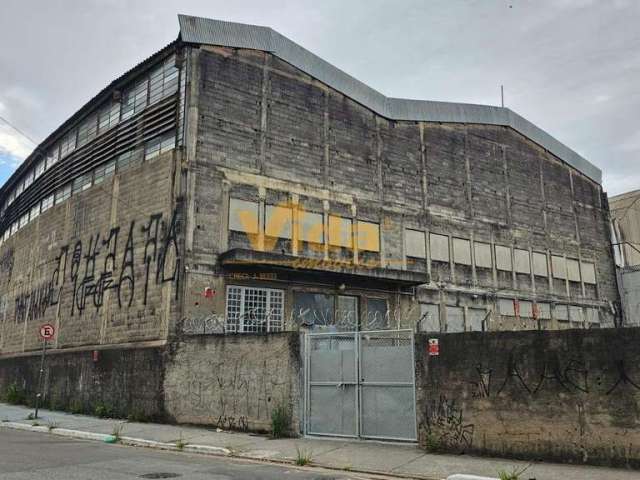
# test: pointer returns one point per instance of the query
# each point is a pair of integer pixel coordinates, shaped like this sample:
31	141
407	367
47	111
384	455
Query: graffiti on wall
444	423
107	262
228	392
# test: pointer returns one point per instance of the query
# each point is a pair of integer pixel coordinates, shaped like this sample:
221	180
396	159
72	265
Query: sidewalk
388	459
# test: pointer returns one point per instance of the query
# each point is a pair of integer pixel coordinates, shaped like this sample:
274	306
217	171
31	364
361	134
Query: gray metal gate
360	385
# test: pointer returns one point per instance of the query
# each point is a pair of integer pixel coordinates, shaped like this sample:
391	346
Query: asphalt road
29	455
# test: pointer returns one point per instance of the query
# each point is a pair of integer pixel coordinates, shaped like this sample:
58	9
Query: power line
18	130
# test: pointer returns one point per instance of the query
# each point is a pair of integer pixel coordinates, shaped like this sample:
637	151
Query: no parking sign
434	347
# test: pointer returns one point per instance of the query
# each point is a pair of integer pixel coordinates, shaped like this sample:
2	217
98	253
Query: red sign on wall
47	331
434	347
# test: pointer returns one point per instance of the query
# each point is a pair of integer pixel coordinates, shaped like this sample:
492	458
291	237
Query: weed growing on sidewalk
280	422
117	431
15	395
180	443
31	416
514	474
51	424
303	456
433	443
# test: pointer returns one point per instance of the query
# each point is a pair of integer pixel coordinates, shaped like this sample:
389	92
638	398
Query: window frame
239	324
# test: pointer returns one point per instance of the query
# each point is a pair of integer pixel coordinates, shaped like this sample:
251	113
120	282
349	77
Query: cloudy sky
570	66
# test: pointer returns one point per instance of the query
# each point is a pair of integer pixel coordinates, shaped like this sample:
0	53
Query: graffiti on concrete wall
444	423
232	393
106	262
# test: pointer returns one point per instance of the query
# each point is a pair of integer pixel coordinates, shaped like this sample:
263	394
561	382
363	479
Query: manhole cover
160	475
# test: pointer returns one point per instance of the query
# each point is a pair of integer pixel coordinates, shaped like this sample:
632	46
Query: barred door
360	385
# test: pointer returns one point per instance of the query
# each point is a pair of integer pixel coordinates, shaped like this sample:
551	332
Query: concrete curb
189	448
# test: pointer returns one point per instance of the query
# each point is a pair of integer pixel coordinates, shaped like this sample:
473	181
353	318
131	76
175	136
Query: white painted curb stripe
136	442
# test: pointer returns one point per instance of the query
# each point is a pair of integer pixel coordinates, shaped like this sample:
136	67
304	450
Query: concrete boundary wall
570	396
234	382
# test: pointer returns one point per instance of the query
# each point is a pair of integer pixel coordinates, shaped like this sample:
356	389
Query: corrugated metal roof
237	35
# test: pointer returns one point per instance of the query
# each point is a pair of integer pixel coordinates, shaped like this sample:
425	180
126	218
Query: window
87	130
347	318
540	264
39	168
429	317
163	80
368	236
340	231
377	314
506	307
104	171
277	221
439	247
476	318
311	227
573	270
28	179
252	310
521	261
415	244
526	308
559	267
35	211
159	145
592	315
243	216
543	311
462	251
588	273
561	312
483	255
125	159
314	310
68	144
53	156
47	203
134	99
503	258
455	319
81	183
575	314
24	219
108	116
63	193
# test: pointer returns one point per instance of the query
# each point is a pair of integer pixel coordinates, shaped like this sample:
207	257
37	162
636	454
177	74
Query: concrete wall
102	267
630	290
625	214
263	131
571	396
123	381
234	382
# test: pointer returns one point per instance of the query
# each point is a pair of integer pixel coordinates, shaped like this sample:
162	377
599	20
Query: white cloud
13	145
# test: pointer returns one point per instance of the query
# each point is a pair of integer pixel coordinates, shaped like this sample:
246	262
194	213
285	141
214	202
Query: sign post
47	332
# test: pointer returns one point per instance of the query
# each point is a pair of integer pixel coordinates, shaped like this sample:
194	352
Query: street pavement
35	456
353	456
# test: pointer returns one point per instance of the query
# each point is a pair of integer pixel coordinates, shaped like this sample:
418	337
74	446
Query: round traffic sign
47	331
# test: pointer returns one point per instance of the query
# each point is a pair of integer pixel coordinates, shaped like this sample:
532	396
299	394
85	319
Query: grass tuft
303	456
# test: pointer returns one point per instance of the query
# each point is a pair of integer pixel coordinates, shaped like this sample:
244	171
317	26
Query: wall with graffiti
232	382
102	267
570	396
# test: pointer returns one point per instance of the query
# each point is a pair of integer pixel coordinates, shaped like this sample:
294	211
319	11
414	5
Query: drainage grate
160	475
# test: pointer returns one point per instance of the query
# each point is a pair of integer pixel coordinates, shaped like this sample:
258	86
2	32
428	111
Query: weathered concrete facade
219	201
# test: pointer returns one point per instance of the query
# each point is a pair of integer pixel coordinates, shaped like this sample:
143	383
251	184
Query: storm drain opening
160	475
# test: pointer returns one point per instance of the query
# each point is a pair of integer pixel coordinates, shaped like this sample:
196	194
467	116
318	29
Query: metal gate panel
332	394
361	384
387	393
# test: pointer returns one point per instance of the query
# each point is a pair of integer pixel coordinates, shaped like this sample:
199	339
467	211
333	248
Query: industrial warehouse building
186	227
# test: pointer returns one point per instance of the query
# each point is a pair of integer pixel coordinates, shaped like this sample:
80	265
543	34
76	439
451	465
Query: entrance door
361	385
